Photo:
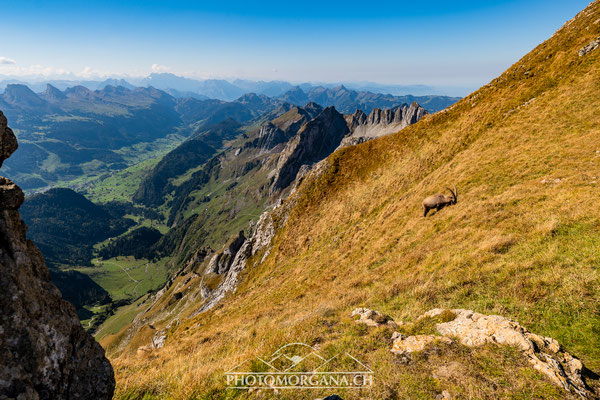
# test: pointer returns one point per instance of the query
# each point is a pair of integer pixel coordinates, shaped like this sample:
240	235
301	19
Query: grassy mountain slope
523	241
189	154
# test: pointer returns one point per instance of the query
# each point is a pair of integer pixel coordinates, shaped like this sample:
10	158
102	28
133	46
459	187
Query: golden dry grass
523	241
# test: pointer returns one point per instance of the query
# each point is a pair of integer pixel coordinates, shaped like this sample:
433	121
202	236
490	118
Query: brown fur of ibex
439	201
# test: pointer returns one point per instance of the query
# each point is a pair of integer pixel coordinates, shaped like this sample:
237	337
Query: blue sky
444	43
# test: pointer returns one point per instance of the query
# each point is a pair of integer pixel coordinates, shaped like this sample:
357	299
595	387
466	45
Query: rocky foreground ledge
473	329
44	351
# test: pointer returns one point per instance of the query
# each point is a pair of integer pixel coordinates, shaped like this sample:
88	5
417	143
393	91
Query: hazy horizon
37	84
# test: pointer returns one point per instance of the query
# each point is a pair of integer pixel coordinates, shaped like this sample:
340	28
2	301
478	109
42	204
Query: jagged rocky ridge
380	122
328	132
44	351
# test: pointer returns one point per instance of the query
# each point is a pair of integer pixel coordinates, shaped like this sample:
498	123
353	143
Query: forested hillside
65	225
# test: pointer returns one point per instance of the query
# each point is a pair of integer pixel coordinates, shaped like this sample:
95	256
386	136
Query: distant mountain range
76	132
66	134
345	98
179	86
347	101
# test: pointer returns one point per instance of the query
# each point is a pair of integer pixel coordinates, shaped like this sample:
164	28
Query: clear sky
435	42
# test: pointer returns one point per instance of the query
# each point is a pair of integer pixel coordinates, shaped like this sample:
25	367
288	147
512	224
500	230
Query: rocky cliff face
44	351
315	141
283	128
8	141
260	239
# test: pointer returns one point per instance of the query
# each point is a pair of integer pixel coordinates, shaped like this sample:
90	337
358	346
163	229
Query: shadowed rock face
284	128
260	239
44	351
221	262
315	141
8	141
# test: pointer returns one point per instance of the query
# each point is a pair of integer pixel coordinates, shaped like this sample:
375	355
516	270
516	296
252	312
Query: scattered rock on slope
44	351
593	45
474	329
371	318
260	239
410	344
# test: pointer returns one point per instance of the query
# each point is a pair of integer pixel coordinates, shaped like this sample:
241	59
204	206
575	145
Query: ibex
439	201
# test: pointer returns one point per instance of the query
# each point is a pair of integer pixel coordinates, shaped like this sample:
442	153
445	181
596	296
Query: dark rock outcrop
11	196
270	136
44	351
8	141
222	261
